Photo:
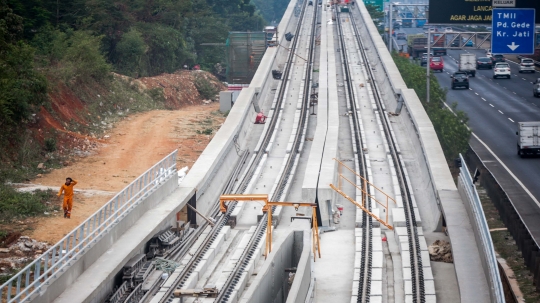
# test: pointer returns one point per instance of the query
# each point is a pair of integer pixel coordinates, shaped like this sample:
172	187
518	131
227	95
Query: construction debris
441	251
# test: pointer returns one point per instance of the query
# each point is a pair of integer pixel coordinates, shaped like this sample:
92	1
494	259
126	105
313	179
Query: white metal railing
488	250
52	263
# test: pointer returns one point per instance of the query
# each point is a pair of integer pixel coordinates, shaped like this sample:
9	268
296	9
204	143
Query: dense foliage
375	12
46	44
137	37
451	128
21	87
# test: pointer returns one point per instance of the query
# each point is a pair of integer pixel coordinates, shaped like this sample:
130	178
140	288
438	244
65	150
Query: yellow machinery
365	194
267	208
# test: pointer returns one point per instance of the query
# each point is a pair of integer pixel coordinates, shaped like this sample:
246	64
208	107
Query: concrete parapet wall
211	171
434	177
293	249
303	278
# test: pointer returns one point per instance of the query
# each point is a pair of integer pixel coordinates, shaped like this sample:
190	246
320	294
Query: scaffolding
244	53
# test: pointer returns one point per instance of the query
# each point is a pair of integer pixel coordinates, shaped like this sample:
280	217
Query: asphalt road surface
494	107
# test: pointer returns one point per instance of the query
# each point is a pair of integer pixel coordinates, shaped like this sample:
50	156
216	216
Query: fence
482	234
512	219
52	263
244	54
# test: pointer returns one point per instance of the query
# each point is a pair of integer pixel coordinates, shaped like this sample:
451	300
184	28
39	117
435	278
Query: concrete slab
335	269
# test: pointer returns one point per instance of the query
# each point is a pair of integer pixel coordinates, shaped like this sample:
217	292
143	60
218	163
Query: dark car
484	62
455	43
460	79
536	90
310	3
498	58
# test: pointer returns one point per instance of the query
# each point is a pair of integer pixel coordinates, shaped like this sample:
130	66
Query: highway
494	106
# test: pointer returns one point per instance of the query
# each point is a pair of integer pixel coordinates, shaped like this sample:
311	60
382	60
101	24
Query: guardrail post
37	274
9	287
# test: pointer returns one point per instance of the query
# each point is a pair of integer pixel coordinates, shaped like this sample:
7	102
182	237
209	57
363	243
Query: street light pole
427	63
390	28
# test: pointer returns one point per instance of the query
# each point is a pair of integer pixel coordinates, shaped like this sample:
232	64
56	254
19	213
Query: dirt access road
133	146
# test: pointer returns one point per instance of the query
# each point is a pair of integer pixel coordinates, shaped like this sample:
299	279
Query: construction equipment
365	194
267	208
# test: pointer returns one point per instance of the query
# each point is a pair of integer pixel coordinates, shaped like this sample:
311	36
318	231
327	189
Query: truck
406	23
467	64
438	48
528	142
416	45
271	36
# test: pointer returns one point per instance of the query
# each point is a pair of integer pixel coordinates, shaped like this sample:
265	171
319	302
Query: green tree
375	11
451	129
130	51
22	89
83	60
167	48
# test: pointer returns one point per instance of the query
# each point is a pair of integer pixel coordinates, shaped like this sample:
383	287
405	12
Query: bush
73	56
451	128
50	144
205	87
130	51
17	205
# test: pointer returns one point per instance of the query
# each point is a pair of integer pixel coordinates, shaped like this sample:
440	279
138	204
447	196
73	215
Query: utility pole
427	63
390	28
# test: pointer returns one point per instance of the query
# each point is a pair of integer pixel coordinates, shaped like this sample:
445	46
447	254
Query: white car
501	70
448	30
527	65
488	54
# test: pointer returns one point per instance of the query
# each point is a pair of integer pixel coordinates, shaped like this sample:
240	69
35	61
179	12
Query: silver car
527	65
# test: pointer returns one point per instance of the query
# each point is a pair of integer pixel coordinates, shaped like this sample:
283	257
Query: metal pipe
203	216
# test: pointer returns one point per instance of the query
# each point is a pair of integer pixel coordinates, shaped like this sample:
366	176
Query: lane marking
470	88
501	112
476	93
491	105
514	93
508	170
499	160
510	119
484	99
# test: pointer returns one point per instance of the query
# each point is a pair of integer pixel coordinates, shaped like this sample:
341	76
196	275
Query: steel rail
410	219
249	251
223	219
363	292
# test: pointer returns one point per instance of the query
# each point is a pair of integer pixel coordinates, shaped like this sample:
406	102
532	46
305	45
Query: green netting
244	53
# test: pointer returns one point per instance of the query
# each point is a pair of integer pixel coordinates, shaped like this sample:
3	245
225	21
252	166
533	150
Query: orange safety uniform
68	197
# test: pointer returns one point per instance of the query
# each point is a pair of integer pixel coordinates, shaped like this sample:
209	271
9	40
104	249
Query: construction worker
67	188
